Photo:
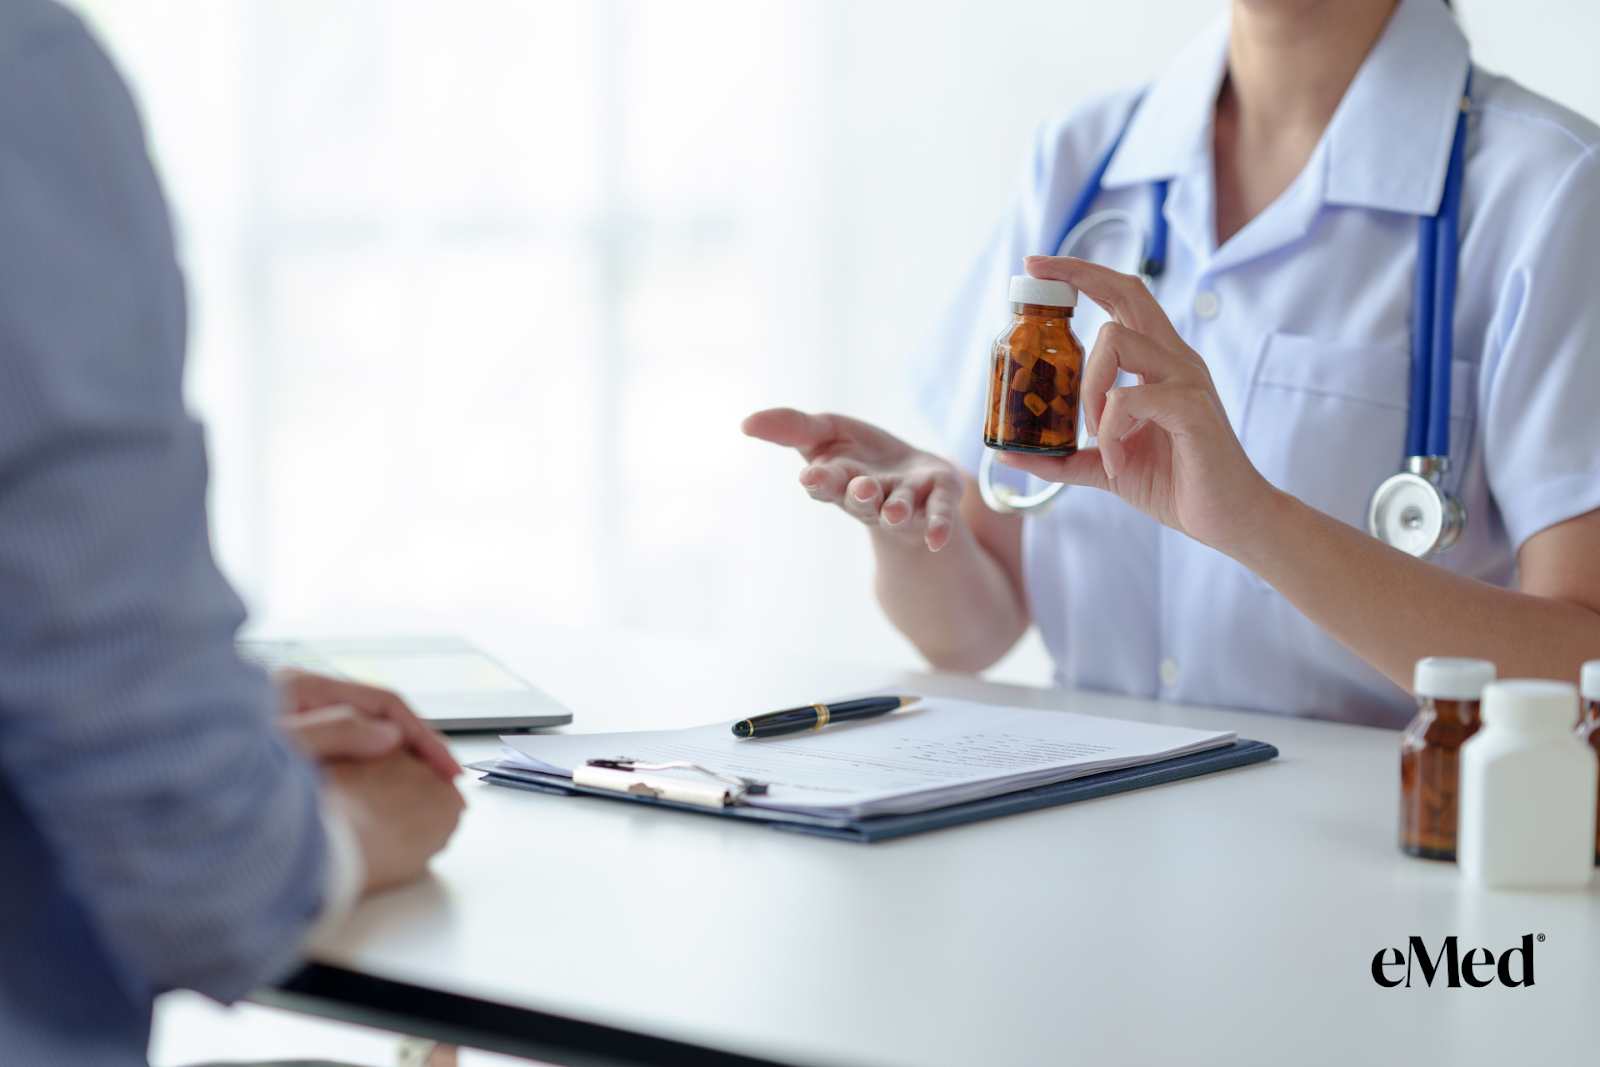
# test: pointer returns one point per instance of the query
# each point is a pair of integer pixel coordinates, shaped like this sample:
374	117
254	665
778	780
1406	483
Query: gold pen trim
822	716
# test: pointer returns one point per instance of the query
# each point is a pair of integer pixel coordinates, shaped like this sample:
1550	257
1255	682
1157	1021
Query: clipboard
1241	753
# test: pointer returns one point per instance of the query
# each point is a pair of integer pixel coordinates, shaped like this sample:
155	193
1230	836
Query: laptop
451	684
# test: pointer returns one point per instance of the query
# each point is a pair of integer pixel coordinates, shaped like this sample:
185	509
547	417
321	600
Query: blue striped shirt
155	830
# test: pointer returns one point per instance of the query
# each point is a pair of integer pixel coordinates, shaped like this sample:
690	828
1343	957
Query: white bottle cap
1026	290
1591	680
1445	678
1531	703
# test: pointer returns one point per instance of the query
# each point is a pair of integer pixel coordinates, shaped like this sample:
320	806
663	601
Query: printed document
933	754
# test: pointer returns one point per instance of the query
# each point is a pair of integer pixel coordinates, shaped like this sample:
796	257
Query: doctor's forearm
958	605
1392	609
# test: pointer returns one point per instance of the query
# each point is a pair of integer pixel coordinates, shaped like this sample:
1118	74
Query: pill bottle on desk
1589	727
1036	369
1447	714
1527	790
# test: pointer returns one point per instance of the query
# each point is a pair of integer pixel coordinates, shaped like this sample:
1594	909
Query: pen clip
742	787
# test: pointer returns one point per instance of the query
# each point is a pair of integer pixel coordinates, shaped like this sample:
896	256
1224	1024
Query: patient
157	828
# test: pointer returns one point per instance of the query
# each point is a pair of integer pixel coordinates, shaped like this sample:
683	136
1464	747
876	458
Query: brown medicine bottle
1448	693
1036	368
1589	728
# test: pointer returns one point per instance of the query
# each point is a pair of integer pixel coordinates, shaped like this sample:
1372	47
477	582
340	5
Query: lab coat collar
1389	141
1387	146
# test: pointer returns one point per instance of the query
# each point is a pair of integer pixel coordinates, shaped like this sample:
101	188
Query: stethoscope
1410	510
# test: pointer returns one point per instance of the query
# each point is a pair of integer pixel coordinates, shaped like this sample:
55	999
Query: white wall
481	289
1547	45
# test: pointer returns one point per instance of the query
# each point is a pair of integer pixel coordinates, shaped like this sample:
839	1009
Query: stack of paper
933	754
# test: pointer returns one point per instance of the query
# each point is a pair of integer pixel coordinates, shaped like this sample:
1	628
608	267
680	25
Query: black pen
816	716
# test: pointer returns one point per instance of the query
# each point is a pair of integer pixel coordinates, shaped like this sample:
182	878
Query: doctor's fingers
1188	413
942	507
1124	296
824	436
900	506
866	498
863	498
788	427
1118	348
826	481
1083	467
929	496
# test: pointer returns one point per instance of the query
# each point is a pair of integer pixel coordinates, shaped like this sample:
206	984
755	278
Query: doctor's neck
1289	63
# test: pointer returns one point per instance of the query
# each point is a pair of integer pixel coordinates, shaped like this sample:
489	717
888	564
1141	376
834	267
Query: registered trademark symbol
1541	937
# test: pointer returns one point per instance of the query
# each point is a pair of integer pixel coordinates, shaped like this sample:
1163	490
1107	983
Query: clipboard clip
622	776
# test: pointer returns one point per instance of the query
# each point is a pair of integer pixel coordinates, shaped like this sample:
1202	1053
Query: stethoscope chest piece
1412	513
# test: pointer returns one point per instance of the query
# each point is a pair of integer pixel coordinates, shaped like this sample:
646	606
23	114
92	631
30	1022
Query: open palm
868	472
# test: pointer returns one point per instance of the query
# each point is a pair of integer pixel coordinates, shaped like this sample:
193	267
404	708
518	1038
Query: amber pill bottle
1448	694
1035	370
1589	728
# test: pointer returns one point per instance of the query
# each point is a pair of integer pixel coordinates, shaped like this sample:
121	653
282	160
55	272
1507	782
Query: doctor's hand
331	719
1165	445
873	475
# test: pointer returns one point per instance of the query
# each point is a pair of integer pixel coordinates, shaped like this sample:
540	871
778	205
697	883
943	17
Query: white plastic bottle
1527	790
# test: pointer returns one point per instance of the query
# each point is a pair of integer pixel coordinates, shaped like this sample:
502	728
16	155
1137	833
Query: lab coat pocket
1326	420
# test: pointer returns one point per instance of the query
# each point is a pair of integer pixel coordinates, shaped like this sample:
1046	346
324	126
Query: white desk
1229	919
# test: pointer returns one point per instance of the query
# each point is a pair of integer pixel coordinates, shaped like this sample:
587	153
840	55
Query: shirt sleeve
1541	410
345	875
134	740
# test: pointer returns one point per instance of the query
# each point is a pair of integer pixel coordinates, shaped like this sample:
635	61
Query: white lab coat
1304	317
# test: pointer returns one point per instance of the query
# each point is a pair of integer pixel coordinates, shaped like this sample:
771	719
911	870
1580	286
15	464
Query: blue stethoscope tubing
1432	344
1433	307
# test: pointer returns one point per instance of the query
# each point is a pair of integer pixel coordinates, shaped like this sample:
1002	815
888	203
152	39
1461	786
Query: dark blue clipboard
1241	753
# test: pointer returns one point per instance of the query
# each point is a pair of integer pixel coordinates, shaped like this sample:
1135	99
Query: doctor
1213	547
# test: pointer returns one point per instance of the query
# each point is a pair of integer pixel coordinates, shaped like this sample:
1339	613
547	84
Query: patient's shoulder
26	25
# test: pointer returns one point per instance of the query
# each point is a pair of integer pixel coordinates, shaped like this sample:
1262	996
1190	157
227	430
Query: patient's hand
402	812
331	719
872	475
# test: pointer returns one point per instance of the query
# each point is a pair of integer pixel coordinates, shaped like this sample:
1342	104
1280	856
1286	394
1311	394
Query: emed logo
1478	972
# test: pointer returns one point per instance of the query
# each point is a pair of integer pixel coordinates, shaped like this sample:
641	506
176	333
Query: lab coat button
1207	304
1169	673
